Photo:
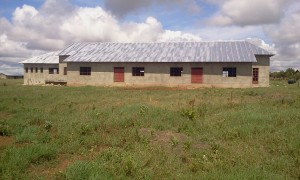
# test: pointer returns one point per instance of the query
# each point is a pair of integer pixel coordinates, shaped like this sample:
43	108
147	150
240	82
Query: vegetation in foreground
58	132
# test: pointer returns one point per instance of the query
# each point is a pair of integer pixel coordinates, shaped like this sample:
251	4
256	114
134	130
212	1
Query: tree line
289	73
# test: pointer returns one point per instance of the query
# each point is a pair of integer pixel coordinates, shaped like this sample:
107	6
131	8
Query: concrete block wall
159	74
34	78
263	65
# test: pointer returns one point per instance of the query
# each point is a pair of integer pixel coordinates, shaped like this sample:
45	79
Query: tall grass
156	133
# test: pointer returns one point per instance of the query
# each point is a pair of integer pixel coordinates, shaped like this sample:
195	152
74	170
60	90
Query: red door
255	76
196	75
119	74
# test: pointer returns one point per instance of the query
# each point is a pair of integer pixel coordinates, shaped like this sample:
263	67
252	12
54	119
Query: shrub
291	81
189	113
5	130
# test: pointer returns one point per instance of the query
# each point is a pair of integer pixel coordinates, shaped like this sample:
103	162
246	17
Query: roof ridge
157	42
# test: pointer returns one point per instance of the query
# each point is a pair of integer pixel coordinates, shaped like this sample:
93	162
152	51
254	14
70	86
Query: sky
30	28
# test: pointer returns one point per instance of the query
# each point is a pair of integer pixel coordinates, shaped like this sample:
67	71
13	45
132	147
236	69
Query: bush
291	81
4	129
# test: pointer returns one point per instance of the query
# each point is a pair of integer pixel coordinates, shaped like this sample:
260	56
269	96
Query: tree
290	73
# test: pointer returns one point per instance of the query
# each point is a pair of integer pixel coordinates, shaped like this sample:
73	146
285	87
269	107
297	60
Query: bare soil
6	141
63	161
170	140
4	115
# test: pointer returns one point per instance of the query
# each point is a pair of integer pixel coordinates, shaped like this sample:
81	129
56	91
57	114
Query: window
176	71
229	72
26	70
36	70
65	70
53	71
31	70
42	70
138	71
85	70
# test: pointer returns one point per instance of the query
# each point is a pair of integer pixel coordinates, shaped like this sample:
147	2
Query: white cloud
23	14
90	24
286	36
249	12
95	24
228	32
52	28
9	48
261	43
58	23
8	69
124	7
179	36
278	21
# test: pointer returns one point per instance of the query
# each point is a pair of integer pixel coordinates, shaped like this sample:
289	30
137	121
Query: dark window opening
36	70
26	70
176	71
31	70
229	72
255	76
138	71
65	70
42	70
53	71
85	70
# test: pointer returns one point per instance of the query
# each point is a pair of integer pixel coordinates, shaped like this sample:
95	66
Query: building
196	64
2	76
5	76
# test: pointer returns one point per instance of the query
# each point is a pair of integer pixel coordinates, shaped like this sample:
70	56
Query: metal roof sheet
48	58
219	51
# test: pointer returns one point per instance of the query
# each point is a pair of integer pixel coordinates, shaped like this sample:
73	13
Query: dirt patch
170	140
6	141
63	161
146	132
154	88
58	165
22	144
4	115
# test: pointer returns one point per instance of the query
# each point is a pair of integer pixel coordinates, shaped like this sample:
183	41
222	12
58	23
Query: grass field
58	132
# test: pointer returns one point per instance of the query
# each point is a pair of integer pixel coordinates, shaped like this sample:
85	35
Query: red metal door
255	76
196	74
119	74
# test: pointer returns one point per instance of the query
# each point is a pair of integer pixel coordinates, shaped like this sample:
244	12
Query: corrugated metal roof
48	58
219	51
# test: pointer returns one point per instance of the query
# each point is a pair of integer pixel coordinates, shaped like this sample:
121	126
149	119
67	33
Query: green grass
154	133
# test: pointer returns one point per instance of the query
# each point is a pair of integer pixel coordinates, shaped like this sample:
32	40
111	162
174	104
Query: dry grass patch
6	141
170	140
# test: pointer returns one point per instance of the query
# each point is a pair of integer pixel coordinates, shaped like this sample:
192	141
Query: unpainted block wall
159	74
33	78
263	65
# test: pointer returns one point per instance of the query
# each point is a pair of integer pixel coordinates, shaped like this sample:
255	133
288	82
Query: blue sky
32	27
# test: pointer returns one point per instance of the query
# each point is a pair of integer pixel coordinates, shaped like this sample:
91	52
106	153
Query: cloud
286	37
10	68
261	43
9	48
124	7
278	21
252	12
58	23
106	28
